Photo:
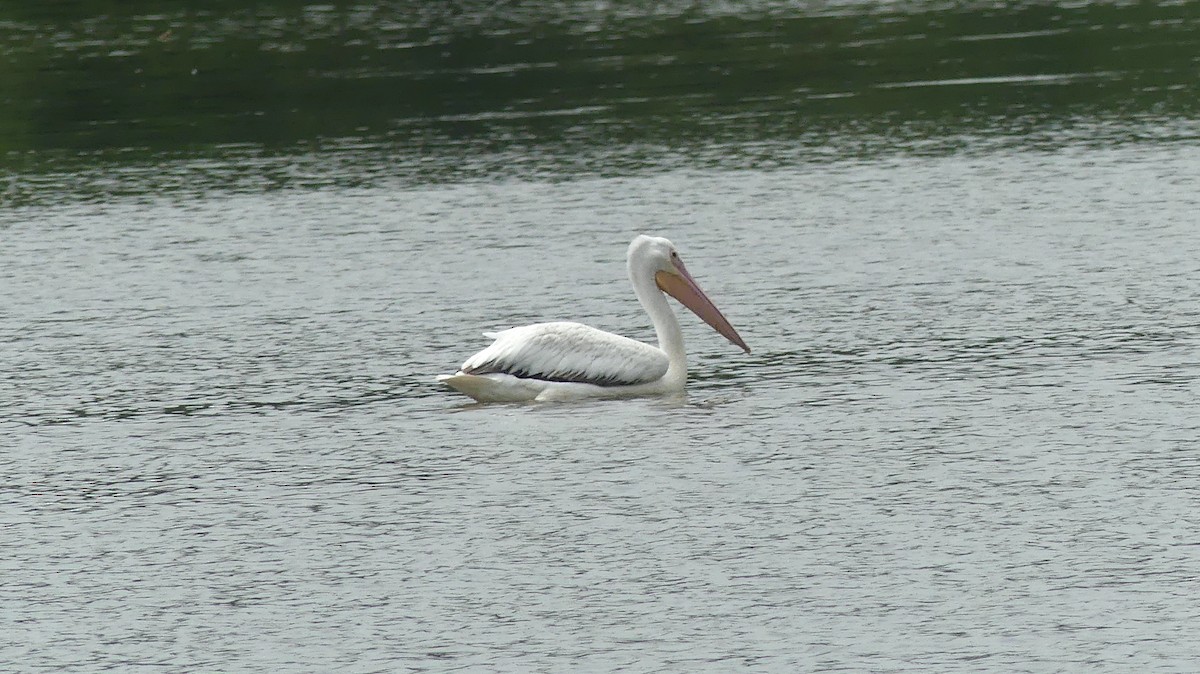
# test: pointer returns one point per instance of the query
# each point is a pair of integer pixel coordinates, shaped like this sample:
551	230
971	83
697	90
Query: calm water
960	240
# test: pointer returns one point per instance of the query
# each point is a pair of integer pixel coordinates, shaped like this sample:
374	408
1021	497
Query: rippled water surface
961	242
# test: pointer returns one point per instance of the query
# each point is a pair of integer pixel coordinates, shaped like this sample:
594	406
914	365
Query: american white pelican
561	361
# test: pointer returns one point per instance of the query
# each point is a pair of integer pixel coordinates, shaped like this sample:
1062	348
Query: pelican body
564	360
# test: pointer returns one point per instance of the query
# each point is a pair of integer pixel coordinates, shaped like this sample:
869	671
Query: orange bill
684	288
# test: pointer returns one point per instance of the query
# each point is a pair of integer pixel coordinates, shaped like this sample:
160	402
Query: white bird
563	361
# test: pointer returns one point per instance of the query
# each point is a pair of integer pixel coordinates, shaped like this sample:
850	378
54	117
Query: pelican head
658	257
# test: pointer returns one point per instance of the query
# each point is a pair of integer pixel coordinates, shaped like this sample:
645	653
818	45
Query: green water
580	88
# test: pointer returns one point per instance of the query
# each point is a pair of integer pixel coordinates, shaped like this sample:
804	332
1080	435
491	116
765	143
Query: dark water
238	244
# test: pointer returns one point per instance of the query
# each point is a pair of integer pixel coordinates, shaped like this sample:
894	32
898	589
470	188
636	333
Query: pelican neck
666	324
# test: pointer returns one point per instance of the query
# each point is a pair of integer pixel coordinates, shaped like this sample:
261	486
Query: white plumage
569	352
562	360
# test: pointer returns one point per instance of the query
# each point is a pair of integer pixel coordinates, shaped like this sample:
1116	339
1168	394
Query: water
964	440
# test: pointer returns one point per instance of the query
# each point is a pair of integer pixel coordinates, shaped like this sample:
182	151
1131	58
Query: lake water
239	245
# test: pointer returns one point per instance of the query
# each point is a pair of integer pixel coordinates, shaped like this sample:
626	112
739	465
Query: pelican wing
569	352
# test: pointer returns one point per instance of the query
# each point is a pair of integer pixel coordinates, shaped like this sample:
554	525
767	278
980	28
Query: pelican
564	361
